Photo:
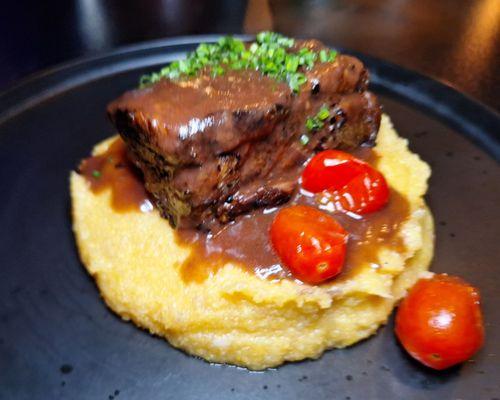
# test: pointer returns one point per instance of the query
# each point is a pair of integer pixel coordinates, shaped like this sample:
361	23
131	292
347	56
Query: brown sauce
246	241
113	169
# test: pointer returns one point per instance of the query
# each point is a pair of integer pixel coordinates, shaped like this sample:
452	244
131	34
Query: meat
212	148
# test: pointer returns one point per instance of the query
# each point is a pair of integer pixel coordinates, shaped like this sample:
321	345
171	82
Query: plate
58	339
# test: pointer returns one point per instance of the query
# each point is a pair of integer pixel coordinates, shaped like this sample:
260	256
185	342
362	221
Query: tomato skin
440	323
330	170
310	243
354	185
367	192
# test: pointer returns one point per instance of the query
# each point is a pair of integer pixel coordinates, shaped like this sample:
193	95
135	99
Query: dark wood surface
455	41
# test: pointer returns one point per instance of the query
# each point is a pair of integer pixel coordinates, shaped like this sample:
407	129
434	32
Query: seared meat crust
212	148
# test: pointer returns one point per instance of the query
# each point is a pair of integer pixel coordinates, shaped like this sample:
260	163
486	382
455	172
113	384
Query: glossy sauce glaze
208	144
245	241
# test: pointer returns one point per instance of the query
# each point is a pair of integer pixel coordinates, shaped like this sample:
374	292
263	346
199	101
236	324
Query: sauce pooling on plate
245	241
113	169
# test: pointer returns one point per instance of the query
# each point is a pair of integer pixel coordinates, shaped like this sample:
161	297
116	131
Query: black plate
58	339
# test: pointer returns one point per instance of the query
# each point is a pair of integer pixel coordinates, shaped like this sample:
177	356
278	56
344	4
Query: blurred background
456	41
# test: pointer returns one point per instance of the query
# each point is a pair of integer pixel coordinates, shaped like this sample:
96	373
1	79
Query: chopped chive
323	56
304	139
271	54
316	122
327	55
310	124
96	173
323	113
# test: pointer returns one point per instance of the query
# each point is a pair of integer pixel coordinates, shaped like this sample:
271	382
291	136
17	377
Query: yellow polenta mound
233	316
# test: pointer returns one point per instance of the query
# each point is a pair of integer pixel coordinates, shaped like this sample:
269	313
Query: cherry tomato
353	184
439	323
310	243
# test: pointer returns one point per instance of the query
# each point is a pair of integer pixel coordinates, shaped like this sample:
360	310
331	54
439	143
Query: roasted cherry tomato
310	243
439	322
353	184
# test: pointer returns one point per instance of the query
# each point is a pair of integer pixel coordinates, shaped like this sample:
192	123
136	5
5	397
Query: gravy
246	240
113	169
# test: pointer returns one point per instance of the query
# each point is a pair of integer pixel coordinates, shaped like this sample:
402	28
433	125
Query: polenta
234	316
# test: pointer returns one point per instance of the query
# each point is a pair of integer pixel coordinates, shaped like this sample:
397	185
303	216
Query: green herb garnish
271	54
96	173
304	139
327	55
323	113
316	122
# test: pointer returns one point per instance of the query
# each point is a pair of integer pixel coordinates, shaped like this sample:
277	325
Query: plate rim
475	120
